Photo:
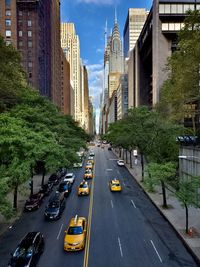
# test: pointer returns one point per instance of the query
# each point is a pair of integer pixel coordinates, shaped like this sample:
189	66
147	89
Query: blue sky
89	17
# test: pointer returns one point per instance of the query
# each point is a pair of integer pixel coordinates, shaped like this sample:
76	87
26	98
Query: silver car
69	177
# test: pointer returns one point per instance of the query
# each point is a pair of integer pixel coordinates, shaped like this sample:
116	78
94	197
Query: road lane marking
156	251
118	172
133	203
113	159
124	184
87	244
59	232
111	203
109	170
120	247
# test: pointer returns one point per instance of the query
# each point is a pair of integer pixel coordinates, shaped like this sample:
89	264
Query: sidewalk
175	214
23	194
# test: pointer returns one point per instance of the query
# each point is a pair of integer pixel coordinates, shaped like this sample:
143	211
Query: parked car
34	202
120	162
55	206
54	179
28	251
65	187
69	177
46	189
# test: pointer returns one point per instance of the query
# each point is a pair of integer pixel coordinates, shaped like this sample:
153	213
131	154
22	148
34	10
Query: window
173	9
20	22
8	22
30	44
29	22
8	43
167	9
20	33
180	9
20	43
171	26
8	33
30	64
20	13
8	13
29	33
161	9
7	2
186	8
164	26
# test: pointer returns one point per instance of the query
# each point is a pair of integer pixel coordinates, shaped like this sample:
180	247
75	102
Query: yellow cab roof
78	222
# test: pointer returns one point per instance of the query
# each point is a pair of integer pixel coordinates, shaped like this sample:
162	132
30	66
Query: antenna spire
115	14
106	33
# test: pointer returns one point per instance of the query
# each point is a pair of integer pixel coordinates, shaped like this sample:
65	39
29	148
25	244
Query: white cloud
100	50
98	2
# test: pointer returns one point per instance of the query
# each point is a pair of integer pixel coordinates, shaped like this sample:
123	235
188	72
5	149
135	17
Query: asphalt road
126	229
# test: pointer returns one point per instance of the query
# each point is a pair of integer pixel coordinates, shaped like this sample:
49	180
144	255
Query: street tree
180	92
187	195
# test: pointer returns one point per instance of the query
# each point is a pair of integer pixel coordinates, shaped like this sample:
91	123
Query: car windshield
115	184
69	175
53	205
75	230
23	253
83	185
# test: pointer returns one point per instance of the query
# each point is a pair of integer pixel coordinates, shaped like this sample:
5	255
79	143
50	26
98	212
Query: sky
89	17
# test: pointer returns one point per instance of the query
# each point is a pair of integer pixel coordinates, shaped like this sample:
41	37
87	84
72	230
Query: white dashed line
156	251
118	172
111	202
109	169
124	184
133	203
59	232
120	247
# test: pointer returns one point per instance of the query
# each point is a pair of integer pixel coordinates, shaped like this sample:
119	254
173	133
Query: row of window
172	26
176	8
20	33
20	13
8	22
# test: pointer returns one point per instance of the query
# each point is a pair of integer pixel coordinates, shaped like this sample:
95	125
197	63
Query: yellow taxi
88	174
83	188
115	185
90	161
75	235
89	166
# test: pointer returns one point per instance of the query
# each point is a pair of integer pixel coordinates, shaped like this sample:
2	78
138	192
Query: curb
188	248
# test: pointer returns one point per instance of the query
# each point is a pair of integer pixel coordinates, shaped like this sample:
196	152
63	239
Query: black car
54	179
34	202
65	187
46	189
55	207
28	251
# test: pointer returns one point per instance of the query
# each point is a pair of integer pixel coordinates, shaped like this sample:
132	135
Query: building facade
31	26
71	47
122	97
157	41
134	23
65	86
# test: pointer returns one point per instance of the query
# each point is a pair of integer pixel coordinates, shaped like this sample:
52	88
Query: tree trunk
15	197
120	153
131	166
186	218
142	165
43	175
164	194
126	156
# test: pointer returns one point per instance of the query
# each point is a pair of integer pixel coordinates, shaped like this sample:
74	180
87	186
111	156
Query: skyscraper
32	27
71	47
134	23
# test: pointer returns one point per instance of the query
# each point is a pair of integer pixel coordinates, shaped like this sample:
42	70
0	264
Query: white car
69	177
120	162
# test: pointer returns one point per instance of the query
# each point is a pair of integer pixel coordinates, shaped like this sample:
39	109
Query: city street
125	229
